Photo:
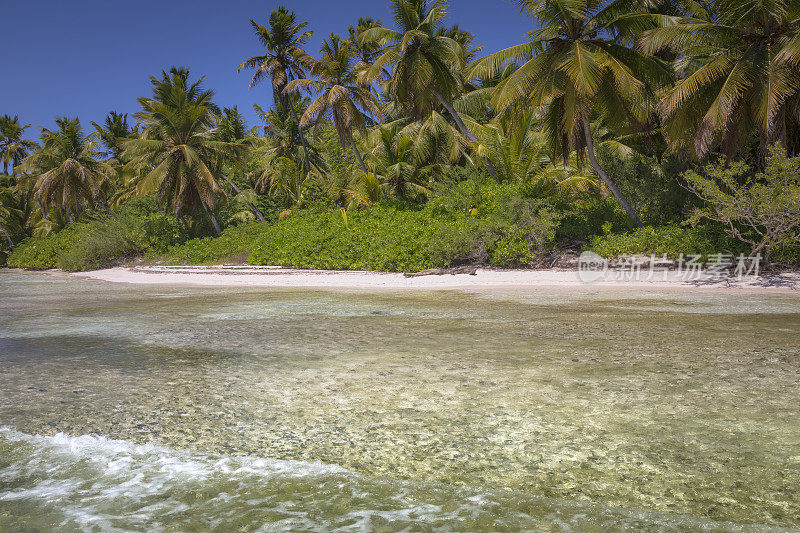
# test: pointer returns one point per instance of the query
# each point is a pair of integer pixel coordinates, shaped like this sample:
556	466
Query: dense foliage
404	146
101	239
762	210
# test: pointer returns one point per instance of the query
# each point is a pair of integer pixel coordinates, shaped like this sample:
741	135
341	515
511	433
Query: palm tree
579	61
283	179
13	148
8	209
394	162
516	146
426	61
282	136
68	171
284	60
113	131
231	125
466	50
740	70
341	96
520	150
436	141
367	51
176	155
232	128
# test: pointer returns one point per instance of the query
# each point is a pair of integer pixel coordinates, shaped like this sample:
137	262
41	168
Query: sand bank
252	276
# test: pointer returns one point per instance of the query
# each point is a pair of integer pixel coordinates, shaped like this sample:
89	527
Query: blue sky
87	57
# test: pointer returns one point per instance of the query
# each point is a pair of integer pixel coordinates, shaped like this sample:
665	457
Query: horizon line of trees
389	110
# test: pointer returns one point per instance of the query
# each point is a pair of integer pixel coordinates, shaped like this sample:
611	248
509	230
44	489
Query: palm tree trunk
587	132
355	151
8	237
465	131
215	223
5	167
212	217
256	212
302	137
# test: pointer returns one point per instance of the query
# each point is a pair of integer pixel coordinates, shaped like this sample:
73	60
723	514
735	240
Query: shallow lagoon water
149	408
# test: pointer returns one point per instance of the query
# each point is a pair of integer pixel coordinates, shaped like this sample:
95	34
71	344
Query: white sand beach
253	276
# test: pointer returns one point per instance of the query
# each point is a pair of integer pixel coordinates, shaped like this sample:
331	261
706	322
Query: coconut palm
9	210
426	62
396	162
232	128
367	51
436	141
283	179
284	60
231	125
467	50
282	135
516	145
112	132
67	169
13	148
341	96
740	70
177	156
521	153
578	61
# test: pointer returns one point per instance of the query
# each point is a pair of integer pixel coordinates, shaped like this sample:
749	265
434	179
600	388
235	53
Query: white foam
92	482
120	457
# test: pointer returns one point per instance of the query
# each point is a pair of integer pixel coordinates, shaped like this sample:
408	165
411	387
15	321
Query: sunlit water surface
152	408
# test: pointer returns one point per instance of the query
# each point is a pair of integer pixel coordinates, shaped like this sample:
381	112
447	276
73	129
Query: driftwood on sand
471	270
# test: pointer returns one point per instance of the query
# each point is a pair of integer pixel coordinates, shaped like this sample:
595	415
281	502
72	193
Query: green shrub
670	240
233	245
513	249
651	185
379	238
789	255
585	218
42	253
388	238
102	241
761	210
529	238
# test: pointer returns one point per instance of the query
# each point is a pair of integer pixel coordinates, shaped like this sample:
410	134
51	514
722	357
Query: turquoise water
149	408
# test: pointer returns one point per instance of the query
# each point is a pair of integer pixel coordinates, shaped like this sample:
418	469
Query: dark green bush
586	218
233	245
670	240
789	255
102	240
379	238
42	253
390	238
652	186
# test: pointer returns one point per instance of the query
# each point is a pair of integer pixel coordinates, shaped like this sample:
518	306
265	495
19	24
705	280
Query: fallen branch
471	270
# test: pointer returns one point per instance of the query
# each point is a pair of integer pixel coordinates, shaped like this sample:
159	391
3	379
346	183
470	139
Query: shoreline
280	277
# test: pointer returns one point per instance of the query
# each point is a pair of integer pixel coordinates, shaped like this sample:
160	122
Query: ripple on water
563	408
94	482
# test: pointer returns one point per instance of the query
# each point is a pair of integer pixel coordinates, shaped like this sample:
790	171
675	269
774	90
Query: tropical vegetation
621	126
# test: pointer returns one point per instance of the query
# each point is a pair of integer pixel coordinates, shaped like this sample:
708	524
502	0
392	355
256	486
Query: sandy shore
249	276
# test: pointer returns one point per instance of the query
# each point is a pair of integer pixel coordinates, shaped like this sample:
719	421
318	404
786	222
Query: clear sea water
192	409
